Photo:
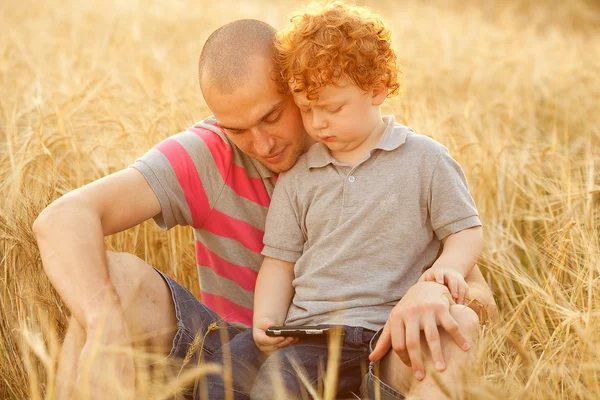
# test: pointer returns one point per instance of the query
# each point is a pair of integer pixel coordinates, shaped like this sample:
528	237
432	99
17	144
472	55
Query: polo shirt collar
393	137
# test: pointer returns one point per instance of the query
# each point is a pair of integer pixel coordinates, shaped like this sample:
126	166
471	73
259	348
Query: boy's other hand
268	344
452	279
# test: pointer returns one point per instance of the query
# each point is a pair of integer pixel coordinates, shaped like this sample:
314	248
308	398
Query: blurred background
510	87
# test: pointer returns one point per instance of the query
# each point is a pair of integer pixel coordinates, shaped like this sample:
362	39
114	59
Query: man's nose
263	142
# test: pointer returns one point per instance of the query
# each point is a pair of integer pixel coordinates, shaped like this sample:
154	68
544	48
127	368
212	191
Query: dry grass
510	87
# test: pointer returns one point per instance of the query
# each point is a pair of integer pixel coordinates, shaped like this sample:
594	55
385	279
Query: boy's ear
379	93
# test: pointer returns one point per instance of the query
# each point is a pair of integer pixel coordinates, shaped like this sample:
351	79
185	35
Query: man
216	177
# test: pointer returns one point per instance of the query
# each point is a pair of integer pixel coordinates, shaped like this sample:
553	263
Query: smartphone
300	331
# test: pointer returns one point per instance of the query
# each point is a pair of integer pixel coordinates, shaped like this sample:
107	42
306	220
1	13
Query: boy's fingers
262	337
286	342
270	344
426	276
462	288
453	286
439	276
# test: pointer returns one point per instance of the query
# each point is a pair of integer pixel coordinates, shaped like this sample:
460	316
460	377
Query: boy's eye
335	110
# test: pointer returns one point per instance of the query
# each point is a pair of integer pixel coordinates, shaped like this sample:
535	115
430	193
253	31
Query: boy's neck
356	155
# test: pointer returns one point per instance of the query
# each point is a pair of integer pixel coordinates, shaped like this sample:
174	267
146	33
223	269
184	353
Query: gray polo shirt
361	236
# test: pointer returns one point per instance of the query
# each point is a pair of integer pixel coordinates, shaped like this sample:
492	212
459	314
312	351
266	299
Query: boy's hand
268	344
452	279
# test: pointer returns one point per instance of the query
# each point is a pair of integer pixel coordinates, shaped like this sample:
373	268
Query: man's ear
379	93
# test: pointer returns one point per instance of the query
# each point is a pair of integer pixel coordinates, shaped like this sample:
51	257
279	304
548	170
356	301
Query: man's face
264	123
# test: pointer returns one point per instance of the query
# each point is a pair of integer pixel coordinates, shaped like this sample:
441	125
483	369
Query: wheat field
512	88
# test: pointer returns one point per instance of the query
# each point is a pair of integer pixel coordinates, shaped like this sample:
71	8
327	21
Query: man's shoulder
202	148
211	134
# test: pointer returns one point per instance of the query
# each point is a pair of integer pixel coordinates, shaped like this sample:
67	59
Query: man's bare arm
70	234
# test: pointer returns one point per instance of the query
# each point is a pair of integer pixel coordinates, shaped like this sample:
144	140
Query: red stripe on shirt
245	277
227	226
235	177
251	188
227	309
188	179
219	149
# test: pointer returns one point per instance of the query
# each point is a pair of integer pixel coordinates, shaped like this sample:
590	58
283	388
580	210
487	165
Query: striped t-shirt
201	179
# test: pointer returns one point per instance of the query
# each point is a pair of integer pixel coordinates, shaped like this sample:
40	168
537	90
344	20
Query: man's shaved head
227	54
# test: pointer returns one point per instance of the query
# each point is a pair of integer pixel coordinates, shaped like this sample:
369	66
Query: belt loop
358	331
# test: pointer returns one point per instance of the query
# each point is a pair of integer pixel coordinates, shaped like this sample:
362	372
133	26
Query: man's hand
268	344
453	280
106	367
424	306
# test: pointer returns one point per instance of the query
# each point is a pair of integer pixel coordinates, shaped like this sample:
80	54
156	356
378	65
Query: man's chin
279	167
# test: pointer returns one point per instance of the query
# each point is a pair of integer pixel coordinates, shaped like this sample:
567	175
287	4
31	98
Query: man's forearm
73	253
274	292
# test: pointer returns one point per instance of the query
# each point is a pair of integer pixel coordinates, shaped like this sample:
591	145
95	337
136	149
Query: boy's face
342	117
262	122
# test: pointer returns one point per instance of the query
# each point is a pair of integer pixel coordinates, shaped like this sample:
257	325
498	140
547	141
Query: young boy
362	216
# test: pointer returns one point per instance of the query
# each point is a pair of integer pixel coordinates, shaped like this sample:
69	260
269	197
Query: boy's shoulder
419	142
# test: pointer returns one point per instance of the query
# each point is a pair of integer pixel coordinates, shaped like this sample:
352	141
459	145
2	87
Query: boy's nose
318	122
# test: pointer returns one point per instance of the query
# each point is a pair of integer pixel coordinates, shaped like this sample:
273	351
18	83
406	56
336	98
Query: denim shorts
308	358
373	387
195	320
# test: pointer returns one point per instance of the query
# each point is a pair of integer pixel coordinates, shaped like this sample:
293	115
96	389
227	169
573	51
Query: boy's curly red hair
336	41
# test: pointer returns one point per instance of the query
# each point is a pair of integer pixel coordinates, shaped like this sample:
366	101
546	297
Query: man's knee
123	268
467	319
145	298
127	274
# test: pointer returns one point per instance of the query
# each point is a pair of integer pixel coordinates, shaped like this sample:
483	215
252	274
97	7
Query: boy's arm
272	298
459	255
274	291
461	251
455	221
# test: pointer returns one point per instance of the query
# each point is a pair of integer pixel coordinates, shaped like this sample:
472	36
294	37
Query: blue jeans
255	375
252	371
